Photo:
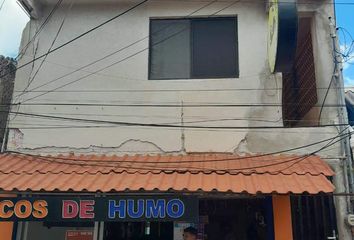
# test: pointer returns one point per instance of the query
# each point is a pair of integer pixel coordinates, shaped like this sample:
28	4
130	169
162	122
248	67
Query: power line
58	127
78	37
192	105
265	1
178	169
164	125
201	119
321	149
190	161
106	56
50	47
326	94
101	69
2	4
46	20
165	90
20	124
102	25
76	80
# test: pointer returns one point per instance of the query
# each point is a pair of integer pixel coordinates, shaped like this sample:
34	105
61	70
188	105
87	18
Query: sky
13	20
345	19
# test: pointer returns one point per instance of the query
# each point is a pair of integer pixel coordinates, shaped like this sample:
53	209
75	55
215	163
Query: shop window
218	219
299	86
55	231
138	231
193	48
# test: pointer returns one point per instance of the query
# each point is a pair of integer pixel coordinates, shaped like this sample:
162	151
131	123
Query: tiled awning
190	173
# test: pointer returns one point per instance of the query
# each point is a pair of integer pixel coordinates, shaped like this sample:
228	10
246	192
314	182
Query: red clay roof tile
192	172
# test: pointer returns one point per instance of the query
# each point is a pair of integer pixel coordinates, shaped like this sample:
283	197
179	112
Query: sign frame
282	35
122	208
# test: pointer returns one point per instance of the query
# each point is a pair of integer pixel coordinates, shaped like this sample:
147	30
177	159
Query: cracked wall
67	136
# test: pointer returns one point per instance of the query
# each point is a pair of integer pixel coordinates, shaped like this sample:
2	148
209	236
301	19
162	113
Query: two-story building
136	120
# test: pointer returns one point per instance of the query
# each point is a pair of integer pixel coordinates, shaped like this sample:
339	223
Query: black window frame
237	73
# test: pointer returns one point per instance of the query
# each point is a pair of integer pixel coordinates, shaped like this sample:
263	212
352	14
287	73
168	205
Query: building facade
186	86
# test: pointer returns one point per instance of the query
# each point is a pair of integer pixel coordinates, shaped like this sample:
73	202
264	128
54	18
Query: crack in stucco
241	147
129	146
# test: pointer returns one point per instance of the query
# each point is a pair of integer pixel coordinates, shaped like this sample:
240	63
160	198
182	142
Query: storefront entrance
248	218
219	219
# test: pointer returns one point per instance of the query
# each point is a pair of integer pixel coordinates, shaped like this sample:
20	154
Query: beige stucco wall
132	74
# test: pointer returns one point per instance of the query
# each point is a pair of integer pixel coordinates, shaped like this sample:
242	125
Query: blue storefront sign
122	208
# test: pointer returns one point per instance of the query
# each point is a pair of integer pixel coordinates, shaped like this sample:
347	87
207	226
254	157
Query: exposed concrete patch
241	147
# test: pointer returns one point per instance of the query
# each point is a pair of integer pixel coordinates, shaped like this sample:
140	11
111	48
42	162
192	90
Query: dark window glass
170	49
214	48
193	48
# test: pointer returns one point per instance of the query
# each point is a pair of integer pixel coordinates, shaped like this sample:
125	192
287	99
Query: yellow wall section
282	218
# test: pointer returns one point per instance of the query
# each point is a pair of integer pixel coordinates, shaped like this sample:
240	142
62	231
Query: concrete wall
132	74
7	71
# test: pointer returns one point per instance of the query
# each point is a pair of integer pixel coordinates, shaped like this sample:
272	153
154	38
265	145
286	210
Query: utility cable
41	27
330	143
188	161
2	4
166	90
170	169
135	6
168	105
51	46
78	37
157	125
113	53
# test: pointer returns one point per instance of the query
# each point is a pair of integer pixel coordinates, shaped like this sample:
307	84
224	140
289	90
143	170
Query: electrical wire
122	60
193	161
113	53
177	169
166	90
41	27
74	81
117	16
92	73
50	47
168	105
326	94
266	1
157	125
330	82
201	119
266	131
2	4
78	37
330	143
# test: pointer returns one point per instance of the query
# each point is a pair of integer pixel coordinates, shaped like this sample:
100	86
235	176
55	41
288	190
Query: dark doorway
248	219
313	217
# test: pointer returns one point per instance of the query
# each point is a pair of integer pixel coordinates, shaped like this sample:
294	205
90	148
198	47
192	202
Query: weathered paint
132	74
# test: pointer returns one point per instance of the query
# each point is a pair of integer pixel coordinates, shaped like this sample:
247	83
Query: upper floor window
193	48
